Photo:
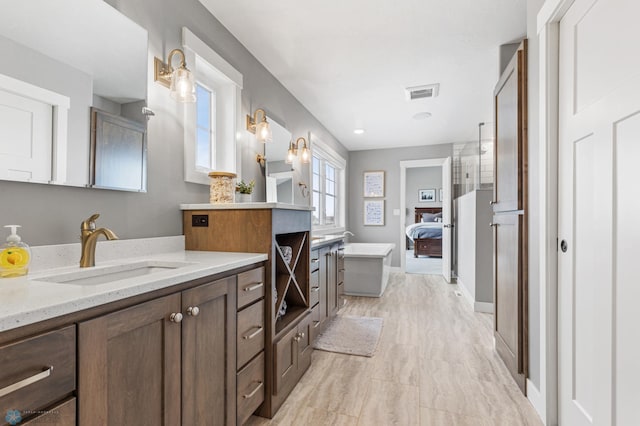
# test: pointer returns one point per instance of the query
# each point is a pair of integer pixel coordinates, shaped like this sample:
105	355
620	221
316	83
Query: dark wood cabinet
284	235
129	366
209	354
168	361
327	263
293	356
38	372
250	343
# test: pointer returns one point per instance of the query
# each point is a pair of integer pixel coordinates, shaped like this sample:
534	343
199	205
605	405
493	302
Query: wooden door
208	354
447	220
510	217
129	366
599	230
509	315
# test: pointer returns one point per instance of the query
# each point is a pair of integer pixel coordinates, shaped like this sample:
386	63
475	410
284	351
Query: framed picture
374	212
426	195
440	195
373	184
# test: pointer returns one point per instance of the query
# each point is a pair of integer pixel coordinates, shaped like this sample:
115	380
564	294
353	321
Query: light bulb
305	155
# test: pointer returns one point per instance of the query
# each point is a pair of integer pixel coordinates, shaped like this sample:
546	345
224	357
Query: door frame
548	30
404	165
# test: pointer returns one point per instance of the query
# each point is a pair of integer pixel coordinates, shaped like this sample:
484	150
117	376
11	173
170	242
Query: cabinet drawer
38	371
250	286
63	414
250	388
250	332
316	323
314	289
315	260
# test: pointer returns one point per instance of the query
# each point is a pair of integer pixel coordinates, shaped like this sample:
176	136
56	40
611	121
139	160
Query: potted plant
245	190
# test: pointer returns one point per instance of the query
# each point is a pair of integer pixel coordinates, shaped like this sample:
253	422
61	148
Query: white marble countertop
26	300
246	206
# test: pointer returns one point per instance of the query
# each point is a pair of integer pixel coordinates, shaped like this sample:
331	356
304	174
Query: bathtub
366	268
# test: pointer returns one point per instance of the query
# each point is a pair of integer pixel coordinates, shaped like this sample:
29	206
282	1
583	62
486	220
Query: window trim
201	59
325	153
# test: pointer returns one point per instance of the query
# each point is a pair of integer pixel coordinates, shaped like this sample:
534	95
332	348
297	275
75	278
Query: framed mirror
60	59
278	174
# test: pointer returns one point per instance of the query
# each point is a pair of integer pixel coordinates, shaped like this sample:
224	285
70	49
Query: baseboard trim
535	398
465	293
483	307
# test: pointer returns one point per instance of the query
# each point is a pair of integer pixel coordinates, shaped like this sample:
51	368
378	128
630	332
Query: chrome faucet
89	235
344	234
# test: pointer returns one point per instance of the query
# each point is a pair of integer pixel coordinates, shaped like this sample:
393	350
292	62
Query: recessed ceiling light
358	131
421	115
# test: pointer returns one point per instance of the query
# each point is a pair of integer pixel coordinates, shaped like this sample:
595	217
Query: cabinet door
208	354
322	282
286	361
303	341
129	366
332	284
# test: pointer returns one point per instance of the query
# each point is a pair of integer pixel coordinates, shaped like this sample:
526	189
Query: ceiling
348	62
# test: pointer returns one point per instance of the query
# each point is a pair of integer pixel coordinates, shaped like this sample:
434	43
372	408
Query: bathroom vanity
283	232
161	348
327	281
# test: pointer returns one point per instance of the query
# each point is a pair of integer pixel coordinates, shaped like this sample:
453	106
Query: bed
426	236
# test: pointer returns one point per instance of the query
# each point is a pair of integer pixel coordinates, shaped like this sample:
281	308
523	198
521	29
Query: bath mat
351	335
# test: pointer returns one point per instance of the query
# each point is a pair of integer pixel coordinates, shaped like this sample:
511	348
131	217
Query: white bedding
423	228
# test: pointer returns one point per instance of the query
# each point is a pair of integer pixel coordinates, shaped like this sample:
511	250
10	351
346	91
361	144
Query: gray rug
351	335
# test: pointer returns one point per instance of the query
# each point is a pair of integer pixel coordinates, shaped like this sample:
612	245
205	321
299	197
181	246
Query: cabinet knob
193	311
296	338
175	317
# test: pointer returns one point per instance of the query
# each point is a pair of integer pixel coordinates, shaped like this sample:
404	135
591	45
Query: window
205	123
210	122
327	188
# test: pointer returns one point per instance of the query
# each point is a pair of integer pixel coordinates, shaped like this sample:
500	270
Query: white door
446	219
26	131
599	214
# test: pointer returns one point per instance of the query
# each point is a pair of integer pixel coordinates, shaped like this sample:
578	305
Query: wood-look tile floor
435	365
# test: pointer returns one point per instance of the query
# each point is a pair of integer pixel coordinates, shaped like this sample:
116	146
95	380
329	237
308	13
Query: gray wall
421	178
389	161
52	215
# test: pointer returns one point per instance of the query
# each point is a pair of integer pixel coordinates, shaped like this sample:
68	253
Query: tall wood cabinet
282	233
510	217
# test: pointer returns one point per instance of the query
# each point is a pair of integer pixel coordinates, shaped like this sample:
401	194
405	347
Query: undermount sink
107	274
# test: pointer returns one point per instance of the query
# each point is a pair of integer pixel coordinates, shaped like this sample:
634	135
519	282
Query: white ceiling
348	61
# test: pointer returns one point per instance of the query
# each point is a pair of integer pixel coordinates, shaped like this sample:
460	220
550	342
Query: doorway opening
425	229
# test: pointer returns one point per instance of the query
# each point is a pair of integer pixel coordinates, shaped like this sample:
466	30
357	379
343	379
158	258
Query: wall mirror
59	60
278	174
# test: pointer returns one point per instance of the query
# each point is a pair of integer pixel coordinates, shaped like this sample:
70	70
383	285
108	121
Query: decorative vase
244	198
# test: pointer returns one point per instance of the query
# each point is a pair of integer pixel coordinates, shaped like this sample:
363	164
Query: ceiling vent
422	92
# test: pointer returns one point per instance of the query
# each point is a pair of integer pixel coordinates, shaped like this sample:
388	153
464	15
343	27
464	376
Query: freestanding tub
366	268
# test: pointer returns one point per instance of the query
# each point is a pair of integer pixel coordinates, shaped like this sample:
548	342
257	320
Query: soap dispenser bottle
14	255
